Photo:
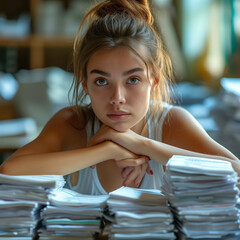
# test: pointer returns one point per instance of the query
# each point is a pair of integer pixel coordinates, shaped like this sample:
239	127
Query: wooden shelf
13	42
38	46
53	41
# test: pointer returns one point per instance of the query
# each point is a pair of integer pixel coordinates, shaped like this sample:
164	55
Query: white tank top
88	182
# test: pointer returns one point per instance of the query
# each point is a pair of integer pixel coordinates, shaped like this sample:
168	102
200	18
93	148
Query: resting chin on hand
132	167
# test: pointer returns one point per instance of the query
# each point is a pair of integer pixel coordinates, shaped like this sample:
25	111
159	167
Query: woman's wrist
154	150
145	145
112	150
108	149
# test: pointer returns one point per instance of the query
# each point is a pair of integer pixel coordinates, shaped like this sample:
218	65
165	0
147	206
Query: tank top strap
166	108
155	125
92	127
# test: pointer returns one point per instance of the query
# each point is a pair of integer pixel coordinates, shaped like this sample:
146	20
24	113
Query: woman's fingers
133	170
126	171
133	175
149	170
140	177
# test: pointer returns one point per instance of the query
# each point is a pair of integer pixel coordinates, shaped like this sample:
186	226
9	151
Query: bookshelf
37	46
34	50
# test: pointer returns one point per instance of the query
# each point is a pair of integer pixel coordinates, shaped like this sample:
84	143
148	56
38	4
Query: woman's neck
141	128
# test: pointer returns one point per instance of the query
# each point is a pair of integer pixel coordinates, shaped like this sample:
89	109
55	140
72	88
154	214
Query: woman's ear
155	85
155	82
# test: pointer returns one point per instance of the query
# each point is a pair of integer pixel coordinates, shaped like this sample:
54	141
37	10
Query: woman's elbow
8	169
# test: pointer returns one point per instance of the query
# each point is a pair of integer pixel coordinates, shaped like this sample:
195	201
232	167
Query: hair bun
136	8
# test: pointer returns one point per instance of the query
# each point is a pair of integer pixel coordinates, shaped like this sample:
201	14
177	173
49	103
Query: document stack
231	93
203	197
138	214
71	215
231	106
226	113
21	199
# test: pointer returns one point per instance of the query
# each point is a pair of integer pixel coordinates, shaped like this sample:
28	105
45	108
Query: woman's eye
101	82
133	80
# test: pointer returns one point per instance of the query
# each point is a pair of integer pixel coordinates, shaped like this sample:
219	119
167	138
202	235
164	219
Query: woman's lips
118	116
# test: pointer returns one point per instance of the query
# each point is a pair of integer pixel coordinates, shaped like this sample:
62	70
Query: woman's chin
120	127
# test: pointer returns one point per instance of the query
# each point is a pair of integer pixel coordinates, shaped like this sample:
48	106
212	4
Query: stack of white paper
72	215
226	113
139	214
231	94
203	196
21	199
231	106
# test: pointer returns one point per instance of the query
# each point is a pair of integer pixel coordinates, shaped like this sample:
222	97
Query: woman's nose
118	96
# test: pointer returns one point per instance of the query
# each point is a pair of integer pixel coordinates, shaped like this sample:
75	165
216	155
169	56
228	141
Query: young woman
129	131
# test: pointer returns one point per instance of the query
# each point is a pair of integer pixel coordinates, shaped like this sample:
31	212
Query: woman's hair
128	23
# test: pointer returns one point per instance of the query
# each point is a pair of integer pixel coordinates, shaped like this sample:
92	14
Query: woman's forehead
121	57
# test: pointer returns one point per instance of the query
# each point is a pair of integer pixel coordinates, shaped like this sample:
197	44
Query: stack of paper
139	214
231	94
21	199
226	113
203	196
72	215
231	106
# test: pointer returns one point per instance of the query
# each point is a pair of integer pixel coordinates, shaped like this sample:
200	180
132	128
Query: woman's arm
61	149
64	162
182	135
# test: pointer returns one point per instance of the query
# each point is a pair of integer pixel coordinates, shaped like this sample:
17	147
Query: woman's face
119	87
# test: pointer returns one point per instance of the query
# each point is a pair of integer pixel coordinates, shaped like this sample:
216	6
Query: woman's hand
133	174
132	167
128	139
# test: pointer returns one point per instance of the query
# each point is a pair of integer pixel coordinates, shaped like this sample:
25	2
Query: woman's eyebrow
129	72
100	72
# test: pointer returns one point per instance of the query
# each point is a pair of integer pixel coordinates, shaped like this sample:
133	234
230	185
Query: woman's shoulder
70	116
66	128
177	114
180	126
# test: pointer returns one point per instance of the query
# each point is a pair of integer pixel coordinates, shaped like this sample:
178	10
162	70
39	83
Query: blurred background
36	40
